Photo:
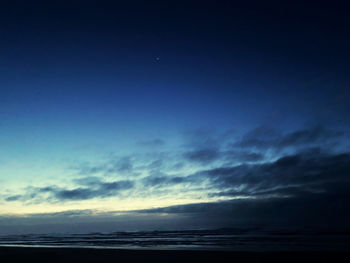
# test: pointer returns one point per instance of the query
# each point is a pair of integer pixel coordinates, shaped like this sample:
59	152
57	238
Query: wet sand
29	254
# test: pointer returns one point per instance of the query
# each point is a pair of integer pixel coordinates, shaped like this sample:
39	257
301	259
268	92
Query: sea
233	239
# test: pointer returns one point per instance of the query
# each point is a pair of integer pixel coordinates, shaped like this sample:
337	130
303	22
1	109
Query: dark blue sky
217	62
104	101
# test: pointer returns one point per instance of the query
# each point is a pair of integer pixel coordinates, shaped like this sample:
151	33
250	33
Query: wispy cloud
236	172
152	143
267	138
92	187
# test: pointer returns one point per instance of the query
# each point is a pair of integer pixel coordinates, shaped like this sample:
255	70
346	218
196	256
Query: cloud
203	156
265	138
13	198
87	170
202	138
165	180
108	167
243	156
202	146
209	155
308	136
178	166
152	143
311	172
297	185
312	210
123	165
206	146
88	181
101	190
301	188
91	187
76	194
155	164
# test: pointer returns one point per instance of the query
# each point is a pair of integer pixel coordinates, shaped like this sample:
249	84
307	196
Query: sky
145	115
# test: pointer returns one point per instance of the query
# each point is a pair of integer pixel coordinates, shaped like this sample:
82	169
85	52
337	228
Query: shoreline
46	254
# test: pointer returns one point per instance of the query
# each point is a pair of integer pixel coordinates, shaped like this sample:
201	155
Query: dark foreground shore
25	254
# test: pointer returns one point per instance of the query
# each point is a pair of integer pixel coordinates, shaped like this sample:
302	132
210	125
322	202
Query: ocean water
237	239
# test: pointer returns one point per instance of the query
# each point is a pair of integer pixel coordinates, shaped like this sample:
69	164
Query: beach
40	254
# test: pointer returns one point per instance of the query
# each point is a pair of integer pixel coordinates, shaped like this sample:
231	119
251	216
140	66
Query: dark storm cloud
330	211
103	189
264	138
311	172
310	187
300	174
307	172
